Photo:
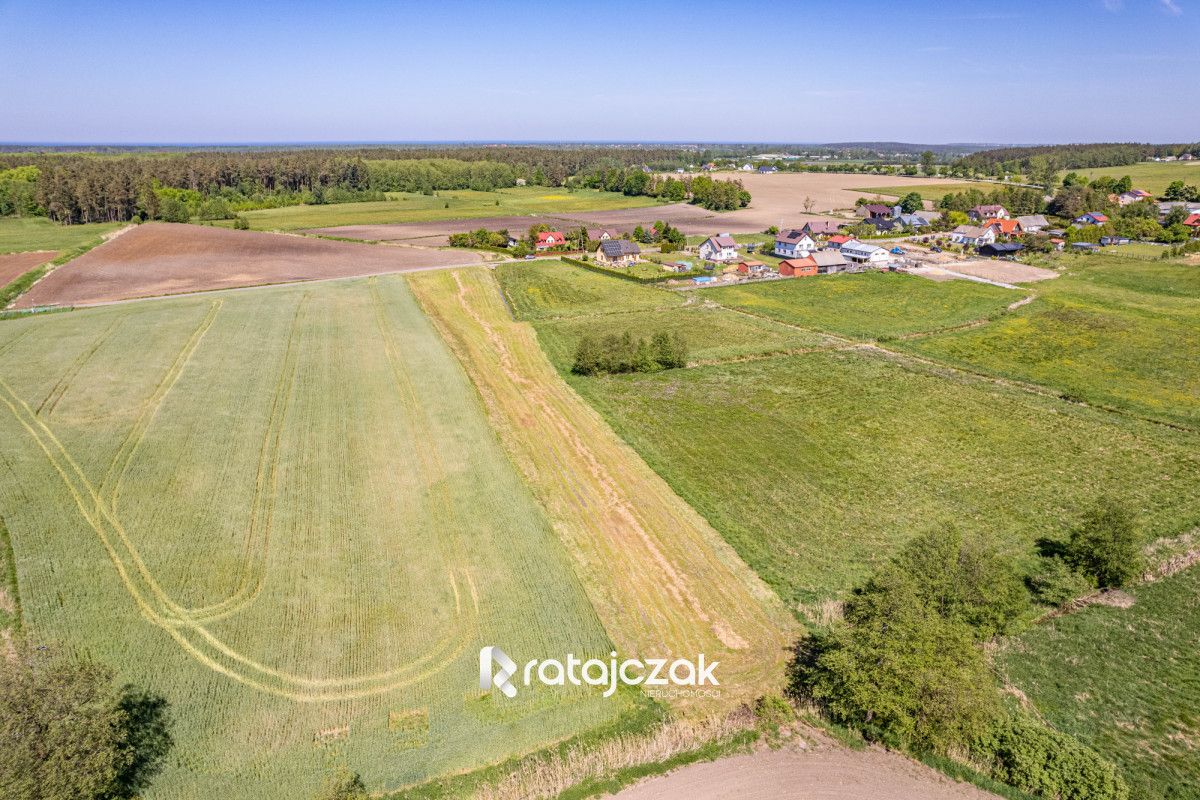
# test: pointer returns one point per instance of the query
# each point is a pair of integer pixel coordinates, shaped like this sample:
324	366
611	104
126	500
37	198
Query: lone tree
1104	545
67	732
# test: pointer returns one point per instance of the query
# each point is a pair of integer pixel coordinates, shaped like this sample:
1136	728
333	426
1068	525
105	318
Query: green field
450	204
1116	331
1153	176
868	305
545	288
712	334
1125	682
818	467
285	511
933	191
19	234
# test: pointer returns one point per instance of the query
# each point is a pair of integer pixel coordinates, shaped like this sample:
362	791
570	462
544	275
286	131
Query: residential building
836	242
767	170
1033	223
882	225
973	235
874	211
821	227
1005	227
793	244
1091	218
866	254
606	234
1193	222
617	253
548	239
915	220
721	249
1132	196
980	213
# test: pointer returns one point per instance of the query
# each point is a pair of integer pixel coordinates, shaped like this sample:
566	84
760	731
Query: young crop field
869	305
285	511
545	289
453	204
817	467
1153	176
1116	331
661	579
18	234
1124	680
712	333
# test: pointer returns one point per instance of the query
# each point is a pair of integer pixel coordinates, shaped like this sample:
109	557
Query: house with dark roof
874	211
793	243
1001	249
721	249
617	253
767	170
821	227
992	211
882	224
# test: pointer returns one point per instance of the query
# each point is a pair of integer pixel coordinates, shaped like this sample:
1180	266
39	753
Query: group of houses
817	248
886	219
991	223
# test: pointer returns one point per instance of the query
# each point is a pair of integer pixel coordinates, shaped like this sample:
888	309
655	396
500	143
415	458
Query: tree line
1056	158
702	190
613	355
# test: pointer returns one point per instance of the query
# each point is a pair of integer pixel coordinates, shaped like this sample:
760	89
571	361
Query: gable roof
1033	220
828	258
972	231
1006	227
807	261
841	238
544	235
1193	221
616	248
1095	215
878	208
861	247
721	241
989	210
821	226
790	236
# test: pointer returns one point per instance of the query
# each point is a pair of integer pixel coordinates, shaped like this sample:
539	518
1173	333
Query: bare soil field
433	233
823	772
161	259
14	265
1003	271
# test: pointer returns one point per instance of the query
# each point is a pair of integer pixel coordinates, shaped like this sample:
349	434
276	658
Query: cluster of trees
1180	191
612	354
1017	199
1036	162
906	665
428	175
662	233
480	238
68	732
713	194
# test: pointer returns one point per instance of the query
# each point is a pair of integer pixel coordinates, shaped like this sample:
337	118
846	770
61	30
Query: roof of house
860	247
841	238
914	220
616	248
544	235
751	263
1193	220
1136	193
1096	215
1009	247
1033	221
722	241
822	226
1006	227
988	210
883	224
878	208
828	258
971	231
797	263
790	236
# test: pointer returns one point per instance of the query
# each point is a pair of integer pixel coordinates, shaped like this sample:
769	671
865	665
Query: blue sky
362	70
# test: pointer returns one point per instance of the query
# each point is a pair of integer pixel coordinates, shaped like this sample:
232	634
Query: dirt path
820	772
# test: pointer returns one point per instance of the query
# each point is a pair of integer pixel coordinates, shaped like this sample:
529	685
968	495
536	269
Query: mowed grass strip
316	525
817	467
1114	331
545	289
662	580
869	305
448	204
1124	680
712	333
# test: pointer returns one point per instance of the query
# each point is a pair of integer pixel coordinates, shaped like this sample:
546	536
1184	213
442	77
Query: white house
1032	223
973	235
1133	196
722	249
863	253
794	244
980	213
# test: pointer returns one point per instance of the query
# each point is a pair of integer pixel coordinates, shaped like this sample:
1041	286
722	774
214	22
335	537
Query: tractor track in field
60	388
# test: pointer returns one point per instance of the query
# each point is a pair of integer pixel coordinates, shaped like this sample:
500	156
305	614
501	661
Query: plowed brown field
161	259
14	265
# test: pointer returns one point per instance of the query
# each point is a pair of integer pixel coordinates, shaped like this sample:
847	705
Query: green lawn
19	234
285	511
1153	176
1117	331
868	305
1135	250
550	288
712	334
817	467
453	204
933	191
1126	682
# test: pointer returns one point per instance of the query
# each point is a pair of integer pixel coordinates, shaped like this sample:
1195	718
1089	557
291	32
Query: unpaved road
819	772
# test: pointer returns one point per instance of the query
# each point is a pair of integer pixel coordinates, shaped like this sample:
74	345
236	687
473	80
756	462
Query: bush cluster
614	354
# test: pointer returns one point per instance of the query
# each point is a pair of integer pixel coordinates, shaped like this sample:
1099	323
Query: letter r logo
506	669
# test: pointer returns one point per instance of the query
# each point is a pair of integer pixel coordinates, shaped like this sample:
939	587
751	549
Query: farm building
1005	227
821	227
1004	249
829	261
863	253
874	211
980	213
973	235
617	253
1033	223
719	248
1091	218
793	243
548	239
798	267
753	268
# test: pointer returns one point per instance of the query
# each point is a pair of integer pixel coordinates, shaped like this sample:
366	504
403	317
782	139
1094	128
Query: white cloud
1171	7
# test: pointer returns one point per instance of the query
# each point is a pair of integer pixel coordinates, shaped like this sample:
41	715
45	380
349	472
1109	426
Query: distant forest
1036	162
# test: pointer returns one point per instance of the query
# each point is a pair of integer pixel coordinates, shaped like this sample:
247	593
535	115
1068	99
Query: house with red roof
1092	218
1005	227
798	267
1193	222
1132	196
549	239
836	242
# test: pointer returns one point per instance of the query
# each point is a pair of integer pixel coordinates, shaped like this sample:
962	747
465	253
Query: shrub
343	785
241	223
1104	545
1056	583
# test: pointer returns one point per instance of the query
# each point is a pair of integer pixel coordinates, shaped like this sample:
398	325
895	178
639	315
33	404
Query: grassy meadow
20	234
1116	331
546	288
1124	680
285	511
870	305
446	204
1153	176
